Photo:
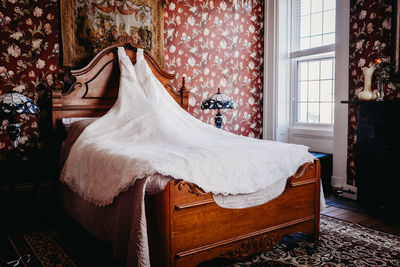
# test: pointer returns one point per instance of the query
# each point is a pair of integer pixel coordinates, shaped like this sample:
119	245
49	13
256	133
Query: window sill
318	131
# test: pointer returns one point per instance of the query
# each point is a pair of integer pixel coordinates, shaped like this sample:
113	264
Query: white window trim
339	176
312	51
270	62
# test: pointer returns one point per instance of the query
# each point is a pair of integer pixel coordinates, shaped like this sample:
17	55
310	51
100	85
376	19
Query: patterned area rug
61	247
341	244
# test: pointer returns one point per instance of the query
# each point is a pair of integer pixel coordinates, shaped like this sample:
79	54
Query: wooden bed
186	226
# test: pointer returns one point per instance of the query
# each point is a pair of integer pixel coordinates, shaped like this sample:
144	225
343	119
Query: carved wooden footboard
187	227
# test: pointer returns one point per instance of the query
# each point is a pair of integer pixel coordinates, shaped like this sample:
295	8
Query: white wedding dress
147	134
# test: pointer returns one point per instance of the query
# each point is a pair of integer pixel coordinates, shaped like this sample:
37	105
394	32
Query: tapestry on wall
90	26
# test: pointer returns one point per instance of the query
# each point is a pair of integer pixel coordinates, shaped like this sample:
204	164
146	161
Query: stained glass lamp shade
12	104
218	101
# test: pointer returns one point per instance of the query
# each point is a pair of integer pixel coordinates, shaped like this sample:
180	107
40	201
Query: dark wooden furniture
186	225
377	155
27	190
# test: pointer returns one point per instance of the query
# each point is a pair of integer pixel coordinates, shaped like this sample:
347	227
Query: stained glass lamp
218	101
11	105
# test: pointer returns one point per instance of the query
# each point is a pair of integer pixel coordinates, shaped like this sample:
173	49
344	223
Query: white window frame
276	90
319	52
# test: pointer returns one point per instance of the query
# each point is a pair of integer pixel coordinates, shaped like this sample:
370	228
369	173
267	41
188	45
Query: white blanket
147	132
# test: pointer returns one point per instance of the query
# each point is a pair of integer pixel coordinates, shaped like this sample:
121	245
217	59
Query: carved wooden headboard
96	86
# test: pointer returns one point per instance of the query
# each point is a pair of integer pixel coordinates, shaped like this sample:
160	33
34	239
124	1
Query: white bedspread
147	132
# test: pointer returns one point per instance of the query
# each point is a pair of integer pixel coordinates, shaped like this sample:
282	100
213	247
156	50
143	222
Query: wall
371	23
29	52
214	46
206	41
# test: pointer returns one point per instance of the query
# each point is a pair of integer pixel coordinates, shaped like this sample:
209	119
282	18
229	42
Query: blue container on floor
326	160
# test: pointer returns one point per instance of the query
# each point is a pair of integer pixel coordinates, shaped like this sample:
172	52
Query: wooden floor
373	221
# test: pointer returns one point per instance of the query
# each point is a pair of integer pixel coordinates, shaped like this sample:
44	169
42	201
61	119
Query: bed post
184	93
56	106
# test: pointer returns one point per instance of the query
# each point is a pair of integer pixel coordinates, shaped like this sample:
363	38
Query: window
313	60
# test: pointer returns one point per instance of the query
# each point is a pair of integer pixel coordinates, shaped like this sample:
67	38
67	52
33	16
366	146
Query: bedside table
28	193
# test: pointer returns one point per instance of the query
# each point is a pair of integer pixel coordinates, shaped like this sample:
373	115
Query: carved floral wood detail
247	248
191	188
303	169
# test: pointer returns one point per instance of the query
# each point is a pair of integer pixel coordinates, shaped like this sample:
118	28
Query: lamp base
14	131
219	120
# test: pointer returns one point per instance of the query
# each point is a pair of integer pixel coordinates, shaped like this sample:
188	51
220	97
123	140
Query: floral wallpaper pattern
214	46
206	41
29	52
371	23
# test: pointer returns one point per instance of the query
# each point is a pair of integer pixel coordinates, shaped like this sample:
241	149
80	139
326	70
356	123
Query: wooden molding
194	204
295	184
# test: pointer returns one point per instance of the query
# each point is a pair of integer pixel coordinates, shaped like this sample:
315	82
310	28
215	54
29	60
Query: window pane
329	17
329	4
313	91
316	6
302	93
326	69
329	39
326	113
305	43
313	112
316	24
302	112
305	26
326	91
305	7
316	41
303	71
313	70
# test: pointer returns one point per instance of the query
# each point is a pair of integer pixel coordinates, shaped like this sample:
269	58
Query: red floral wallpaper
29	52
206	41
371	23
214	46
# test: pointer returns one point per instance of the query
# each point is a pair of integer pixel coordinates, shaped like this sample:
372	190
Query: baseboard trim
337	181
350	191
